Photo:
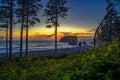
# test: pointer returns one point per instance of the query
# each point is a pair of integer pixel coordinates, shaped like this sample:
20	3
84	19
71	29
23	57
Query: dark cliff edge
72	40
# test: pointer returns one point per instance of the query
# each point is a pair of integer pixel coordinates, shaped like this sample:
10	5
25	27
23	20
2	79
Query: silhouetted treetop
53	8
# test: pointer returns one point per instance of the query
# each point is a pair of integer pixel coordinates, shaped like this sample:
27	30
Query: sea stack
72	40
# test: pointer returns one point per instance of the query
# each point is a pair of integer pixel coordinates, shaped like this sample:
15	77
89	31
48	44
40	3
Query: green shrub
95	64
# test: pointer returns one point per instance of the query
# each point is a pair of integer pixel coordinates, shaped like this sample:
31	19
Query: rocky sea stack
72	40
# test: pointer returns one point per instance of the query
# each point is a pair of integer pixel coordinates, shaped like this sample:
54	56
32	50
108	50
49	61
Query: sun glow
43	33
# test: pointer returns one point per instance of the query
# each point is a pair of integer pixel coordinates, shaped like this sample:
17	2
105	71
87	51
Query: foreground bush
95	64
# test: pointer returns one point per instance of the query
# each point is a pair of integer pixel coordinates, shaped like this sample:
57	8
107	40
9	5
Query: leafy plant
95	64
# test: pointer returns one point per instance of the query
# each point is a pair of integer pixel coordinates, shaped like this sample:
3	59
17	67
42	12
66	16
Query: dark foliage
96	64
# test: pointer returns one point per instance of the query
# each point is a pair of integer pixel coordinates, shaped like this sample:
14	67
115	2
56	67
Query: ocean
34	45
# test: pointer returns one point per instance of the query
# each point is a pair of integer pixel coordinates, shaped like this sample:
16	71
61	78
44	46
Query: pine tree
32	9
20	12
54	10
9	4
4	16
109	29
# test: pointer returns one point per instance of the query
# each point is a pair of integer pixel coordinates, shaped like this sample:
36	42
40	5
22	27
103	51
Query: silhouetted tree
55	9
10	5
4	20
20	12
32	9
109	28
7	39
4	27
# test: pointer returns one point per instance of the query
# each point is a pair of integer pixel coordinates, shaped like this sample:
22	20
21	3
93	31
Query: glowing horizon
80	20
47	33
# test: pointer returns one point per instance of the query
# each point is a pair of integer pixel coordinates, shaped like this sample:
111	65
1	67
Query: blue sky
83	14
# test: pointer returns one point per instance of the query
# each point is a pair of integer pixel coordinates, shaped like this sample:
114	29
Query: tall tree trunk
11	18
56	26
21	39
27	31
94	40
56	39
27	40
7	40
21	34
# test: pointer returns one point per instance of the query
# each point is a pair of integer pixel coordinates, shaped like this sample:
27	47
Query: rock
71	40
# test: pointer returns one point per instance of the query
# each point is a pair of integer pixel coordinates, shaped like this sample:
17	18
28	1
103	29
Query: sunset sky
82	18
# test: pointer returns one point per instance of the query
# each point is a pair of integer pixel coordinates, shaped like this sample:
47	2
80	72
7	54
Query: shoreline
52	51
